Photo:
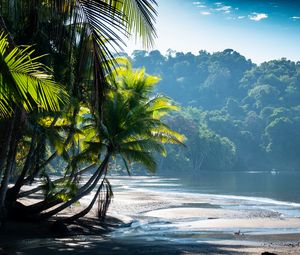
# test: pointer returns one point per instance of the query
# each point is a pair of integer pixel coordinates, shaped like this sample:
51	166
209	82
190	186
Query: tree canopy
235	114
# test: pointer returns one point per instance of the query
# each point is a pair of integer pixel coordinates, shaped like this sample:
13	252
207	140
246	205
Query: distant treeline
235	114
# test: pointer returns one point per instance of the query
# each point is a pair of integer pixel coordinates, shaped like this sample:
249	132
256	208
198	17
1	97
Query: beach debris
268	253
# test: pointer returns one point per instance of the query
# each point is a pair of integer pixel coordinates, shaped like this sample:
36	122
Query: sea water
253	195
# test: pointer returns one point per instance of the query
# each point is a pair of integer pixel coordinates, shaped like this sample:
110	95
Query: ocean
181	209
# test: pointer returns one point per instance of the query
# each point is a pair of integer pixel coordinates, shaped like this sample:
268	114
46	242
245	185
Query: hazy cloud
295	17
205	13
258	16
218	4
201	6
241	17
224	8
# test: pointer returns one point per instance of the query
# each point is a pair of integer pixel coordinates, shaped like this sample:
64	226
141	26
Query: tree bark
4	144
9	164
4	175
82	193
12	193
88	208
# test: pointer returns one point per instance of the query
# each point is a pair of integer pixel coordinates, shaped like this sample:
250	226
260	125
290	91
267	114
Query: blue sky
259	29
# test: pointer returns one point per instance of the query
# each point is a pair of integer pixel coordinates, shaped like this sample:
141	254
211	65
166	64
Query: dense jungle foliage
235	114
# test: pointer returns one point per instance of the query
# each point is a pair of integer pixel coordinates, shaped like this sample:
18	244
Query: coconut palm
133	131
80	37
92	31
25	83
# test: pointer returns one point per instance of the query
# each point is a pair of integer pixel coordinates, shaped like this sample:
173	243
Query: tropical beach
165	219
149	127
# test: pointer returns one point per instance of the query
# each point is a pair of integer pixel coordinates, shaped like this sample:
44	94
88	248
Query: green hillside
236	115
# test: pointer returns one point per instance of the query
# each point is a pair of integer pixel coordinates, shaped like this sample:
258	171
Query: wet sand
160	221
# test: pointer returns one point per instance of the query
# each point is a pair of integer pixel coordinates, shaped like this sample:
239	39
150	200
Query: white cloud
218	4
201	6
205	13
241	17
295	17
196	3
225	8
258	16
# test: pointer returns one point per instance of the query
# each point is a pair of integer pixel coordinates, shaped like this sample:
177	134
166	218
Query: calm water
174	209
284	186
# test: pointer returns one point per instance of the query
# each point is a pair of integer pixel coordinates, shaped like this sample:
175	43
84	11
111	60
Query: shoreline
146	221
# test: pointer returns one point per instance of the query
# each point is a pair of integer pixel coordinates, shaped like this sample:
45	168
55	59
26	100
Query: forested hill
236	115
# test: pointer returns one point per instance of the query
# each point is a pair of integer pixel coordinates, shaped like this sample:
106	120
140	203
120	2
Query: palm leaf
142	157
27	82
140	17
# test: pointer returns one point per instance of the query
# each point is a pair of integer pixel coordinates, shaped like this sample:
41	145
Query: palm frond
144	158
25	81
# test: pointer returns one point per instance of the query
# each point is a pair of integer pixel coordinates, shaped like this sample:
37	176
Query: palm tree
132	129
91	31
25	83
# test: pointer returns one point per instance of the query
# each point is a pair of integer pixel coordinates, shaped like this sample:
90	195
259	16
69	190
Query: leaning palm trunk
12	193
41	187
20	93
90	206
5	171
52	200
10	159
4	174
100	171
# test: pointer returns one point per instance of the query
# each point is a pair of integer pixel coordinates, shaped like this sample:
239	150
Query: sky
261	30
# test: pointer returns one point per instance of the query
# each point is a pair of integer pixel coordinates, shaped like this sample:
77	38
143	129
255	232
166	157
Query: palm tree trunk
4	144
12	193
88	208
9	164
14	134
52	201
39	188
82	193
30	179
4	174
